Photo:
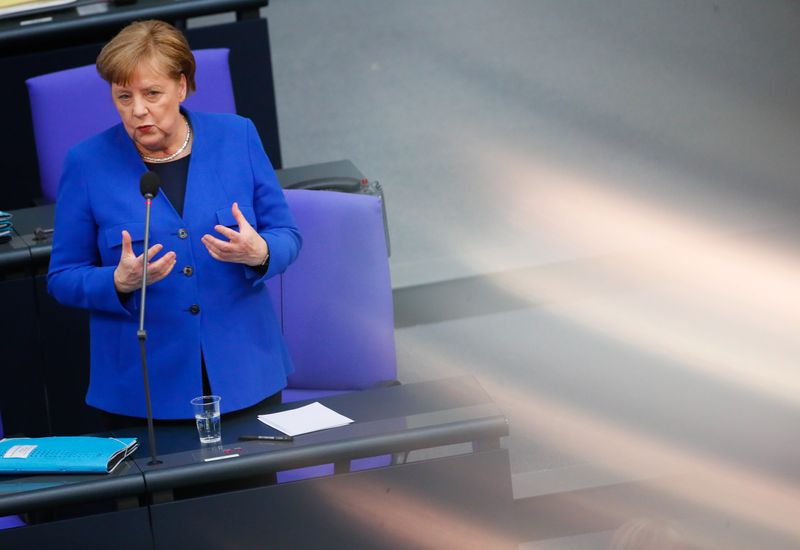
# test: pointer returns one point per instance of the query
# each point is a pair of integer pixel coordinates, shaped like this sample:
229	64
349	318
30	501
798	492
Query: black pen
266	438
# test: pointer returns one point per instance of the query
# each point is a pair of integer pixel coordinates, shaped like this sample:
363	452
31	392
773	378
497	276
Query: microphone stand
142	335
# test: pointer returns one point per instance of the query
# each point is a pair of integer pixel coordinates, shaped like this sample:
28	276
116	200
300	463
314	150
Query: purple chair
7	522
338	316
72	105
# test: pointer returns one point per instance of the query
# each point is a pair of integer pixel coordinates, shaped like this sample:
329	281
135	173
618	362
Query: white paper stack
310	418
8	7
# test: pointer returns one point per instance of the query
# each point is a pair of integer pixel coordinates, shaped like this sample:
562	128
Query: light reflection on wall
722	302
713	300
750	499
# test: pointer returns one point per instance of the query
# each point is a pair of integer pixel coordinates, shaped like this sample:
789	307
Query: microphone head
149	184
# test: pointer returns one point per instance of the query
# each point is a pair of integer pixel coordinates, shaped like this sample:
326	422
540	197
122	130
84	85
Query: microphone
148	186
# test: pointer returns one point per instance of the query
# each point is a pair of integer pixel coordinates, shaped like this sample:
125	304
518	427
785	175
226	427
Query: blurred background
593	210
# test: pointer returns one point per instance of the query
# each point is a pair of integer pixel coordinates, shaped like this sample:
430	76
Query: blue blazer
220	308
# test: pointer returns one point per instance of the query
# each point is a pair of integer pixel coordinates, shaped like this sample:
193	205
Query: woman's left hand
243	247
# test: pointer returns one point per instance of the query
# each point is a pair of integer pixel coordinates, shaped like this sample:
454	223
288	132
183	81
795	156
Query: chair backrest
338	315
72	105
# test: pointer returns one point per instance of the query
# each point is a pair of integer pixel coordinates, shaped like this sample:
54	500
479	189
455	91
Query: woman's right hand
128	275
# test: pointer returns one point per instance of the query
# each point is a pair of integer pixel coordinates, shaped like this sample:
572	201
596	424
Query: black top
173	180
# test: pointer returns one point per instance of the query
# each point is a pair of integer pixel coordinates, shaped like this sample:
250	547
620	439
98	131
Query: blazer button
194	309
182	233
188	271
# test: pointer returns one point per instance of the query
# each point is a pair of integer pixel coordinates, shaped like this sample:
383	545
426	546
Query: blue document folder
63	454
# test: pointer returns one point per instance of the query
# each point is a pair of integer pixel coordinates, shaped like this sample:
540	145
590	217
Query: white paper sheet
309	418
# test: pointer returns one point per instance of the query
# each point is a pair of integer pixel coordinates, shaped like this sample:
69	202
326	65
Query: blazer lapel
203	189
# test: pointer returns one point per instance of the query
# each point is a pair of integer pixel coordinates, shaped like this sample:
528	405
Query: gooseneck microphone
148	185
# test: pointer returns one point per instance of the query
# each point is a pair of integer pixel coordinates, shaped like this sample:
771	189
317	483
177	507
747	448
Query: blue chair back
338	316
72	105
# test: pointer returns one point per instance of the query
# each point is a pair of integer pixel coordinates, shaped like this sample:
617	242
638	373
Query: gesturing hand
243	247
128	275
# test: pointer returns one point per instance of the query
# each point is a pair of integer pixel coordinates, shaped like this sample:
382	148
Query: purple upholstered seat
338	316
7	522
71	105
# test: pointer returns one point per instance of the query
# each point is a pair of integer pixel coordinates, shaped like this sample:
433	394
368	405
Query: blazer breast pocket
113	236
225	217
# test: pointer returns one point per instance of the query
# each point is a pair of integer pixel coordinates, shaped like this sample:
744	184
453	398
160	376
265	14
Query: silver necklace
176	153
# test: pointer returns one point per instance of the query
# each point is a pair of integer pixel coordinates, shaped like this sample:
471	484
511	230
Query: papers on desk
9	7
311	418
6	228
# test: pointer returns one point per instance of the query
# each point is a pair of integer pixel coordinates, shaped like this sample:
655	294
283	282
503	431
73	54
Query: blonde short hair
146	42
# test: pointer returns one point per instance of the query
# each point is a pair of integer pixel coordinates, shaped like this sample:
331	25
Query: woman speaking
221	225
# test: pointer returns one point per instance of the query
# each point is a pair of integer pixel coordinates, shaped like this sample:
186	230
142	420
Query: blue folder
64	454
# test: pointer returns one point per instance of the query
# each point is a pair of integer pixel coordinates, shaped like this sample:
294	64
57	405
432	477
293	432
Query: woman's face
149	106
